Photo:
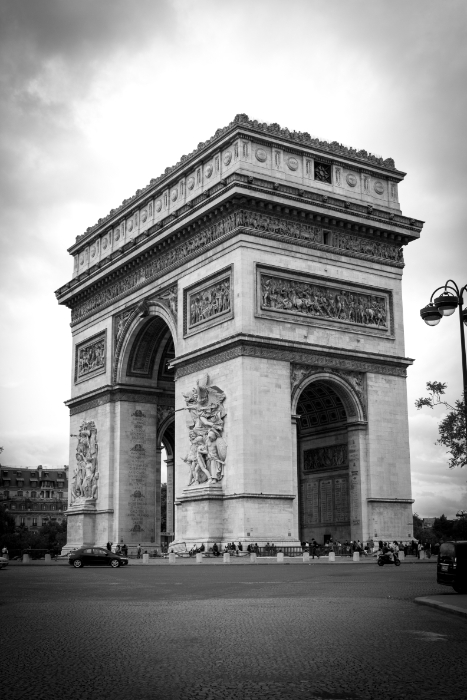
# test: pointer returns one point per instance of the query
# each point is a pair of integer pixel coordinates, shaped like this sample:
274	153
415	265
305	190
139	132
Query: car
95	556
3	562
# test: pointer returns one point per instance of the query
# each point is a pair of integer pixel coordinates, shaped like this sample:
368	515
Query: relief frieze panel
324	458
263	224
90	357
208	302
313	299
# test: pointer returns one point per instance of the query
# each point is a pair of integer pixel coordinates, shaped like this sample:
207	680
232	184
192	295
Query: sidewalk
448	602
216	561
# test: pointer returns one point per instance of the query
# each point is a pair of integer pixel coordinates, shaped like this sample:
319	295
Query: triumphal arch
244	312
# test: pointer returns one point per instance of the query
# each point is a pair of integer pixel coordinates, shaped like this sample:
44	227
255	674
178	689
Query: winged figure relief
205	415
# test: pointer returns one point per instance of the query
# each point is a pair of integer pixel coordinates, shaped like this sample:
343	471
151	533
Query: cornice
263	346
246	127
320	209
112	394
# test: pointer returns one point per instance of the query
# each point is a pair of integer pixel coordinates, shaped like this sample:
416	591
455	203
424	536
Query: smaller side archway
329	412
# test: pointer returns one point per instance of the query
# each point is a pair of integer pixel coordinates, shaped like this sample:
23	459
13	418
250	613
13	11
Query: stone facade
244	311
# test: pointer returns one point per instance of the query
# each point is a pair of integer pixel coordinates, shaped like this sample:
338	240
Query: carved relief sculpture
321	458
205	417
84	482
210	302
90	358
317	300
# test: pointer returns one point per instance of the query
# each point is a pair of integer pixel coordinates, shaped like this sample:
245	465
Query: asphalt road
334	632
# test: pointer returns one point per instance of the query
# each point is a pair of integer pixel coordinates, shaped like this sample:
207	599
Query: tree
7	522
443	528
452	428
417	526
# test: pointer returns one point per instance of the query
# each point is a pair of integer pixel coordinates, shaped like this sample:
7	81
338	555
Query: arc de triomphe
244	312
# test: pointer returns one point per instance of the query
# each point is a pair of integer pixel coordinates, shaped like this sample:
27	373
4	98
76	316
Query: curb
444	607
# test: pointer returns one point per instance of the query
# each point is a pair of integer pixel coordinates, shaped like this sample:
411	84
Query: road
334	632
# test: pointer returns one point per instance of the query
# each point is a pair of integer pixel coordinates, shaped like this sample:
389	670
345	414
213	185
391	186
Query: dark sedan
95	556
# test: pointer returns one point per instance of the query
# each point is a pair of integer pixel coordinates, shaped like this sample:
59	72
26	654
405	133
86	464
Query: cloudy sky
99	96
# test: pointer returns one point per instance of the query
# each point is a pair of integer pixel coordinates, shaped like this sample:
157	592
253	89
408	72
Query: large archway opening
146	353
323	463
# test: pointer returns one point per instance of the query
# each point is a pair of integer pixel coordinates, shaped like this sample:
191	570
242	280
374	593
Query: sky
99	96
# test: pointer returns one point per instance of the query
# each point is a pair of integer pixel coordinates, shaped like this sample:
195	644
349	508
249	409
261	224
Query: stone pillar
170	496
157	486
358	482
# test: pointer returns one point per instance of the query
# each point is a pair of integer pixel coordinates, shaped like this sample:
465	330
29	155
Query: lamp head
431	315
464	316
447	303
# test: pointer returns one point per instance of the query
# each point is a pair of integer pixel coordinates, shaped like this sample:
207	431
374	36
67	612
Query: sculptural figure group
332	456
209	302
315	300
205	419
91	357
84	482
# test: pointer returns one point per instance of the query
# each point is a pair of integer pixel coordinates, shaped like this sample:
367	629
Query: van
451	569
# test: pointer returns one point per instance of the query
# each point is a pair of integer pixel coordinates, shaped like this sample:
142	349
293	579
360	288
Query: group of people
120	549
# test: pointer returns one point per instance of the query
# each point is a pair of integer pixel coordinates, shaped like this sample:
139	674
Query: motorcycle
386	559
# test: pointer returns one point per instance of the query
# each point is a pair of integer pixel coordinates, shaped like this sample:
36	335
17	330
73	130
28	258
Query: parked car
451	569
3	562
95	556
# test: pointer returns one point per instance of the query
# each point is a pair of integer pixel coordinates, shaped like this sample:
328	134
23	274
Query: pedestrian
138	552
5	552
240	547
125	550
109	546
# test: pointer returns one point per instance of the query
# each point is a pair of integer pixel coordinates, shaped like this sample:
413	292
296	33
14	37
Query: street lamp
445	305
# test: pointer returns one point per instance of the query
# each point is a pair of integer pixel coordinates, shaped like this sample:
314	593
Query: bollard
332	556
48	559
172	558
280	557
252	557
26	559
401	555
199	557
422	554
356	556
226	558
145	558
306	557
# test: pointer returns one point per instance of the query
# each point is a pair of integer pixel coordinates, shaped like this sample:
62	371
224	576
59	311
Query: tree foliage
452	428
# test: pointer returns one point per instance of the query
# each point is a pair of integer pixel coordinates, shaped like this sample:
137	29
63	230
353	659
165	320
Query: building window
20	493
34	522
13	506
22	506
60	495
33	494
44	507
52	507
4	473
22	521
6	494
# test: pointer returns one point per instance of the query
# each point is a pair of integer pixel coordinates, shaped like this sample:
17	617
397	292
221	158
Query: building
34	496
244	311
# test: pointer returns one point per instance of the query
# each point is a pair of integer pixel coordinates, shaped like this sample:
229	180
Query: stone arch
148	317
348	386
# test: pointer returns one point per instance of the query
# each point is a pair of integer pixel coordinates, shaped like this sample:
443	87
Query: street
338	632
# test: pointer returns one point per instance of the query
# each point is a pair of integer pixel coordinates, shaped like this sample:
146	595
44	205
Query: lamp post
445	305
